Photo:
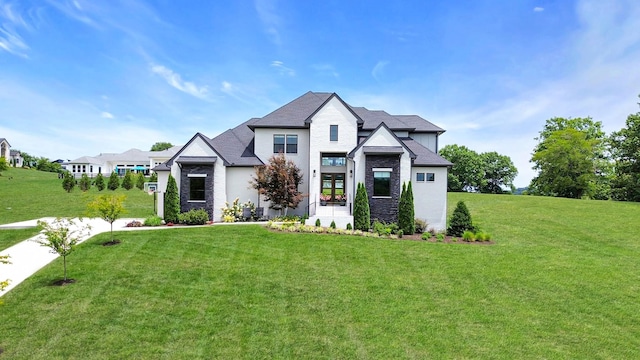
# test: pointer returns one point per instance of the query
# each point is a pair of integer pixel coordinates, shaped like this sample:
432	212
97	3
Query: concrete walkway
28	256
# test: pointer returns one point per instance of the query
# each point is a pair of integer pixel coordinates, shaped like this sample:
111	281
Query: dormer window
333	132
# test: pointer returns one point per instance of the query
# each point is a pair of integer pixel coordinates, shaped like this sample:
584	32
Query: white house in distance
336	146
133	160
5	149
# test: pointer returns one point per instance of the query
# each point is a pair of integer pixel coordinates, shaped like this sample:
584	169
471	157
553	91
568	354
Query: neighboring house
335	145
5	149
133	160
16	159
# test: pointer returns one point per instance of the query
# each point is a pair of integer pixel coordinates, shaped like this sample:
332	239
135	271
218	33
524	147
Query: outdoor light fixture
314	173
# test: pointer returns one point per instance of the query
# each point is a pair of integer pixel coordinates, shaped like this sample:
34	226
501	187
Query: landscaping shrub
68	182
140	181
349	227
460	220
440	236
318	222
127	182
154	220
114	182
194	217
469	235
85	183
333	224
483	236
171	201
99	182
426	236
406	212
361	211
384	229
421	225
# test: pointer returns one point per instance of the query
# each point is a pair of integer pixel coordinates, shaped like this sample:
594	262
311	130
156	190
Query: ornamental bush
127	182
361	211
68	182
406	212
194	217
85	183
99	182
114	182
140	181
171	201
460	220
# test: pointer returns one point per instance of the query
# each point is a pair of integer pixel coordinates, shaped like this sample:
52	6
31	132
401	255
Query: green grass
562	281
10	237
33	194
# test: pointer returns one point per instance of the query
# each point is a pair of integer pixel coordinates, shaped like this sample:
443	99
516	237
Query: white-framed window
285	143
382	182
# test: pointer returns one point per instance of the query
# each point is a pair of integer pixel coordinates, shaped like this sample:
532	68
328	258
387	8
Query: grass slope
32	194
10	237
561	282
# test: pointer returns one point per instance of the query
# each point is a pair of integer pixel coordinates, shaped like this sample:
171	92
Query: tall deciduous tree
566	164
171	201
278	182
466	173
361	210
159	146
499	173
625	149
114	181
109	208
61	236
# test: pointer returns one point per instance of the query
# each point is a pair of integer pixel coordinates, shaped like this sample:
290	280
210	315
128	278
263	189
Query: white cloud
176	81
10	39
283	70
106	115
326	70
379	69
538	9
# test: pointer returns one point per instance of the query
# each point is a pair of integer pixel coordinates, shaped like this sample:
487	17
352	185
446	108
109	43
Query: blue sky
84	77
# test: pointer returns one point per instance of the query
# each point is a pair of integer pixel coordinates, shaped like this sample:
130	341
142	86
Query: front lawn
10	237
547	289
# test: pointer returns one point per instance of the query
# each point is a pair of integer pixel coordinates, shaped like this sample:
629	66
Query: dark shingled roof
295	113
424	156
236	147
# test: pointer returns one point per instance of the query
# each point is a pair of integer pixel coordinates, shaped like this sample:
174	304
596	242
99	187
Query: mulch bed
111	243
63	282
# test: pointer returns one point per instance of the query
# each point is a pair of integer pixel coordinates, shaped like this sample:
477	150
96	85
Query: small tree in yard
171	201
406	212
460	220
278	181
114	182
140	181
127	182
62	235
109	208
361	211
85	183
3	164
99	182
68	182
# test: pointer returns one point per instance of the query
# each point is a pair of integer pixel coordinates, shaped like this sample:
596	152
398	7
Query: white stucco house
336	146
133	160
5	149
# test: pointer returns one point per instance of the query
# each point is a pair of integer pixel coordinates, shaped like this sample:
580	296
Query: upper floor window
285	143
421	177
333	132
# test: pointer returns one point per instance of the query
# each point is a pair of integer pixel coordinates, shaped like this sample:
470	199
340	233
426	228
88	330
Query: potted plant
342	199
324	198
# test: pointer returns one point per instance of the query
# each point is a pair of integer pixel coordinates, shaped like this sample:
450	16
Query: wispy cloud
379	69
538	9
78	10
283	70
106	115
175	80
10	22
270	19
326	70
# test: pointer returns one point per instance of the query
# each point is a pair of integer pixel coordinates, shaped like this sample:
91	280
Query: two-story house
336	146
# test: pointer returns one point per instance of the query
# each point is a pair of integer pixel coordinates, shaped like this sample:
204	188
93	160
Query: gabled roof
295	113
169	162
87	160
424	156
236	146
14	152
377	148
4	140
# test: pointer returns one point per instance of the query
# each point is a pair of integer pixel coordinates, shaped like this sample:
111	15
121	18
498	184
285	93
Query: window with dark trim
333	132
278	143
419	177
431	177
196	188
381	183
292	144
285	143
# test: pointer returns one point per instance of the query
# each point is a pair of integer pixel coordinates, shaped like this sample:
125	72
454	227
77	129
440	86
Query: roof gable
186	146
379	149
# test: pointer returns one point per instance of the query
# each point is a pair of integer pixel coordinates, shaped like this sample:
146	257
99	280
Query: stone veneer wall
185	204
385	209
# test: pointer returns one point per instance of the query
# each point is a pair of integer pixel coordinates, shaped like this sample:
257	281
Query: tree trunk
64	260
